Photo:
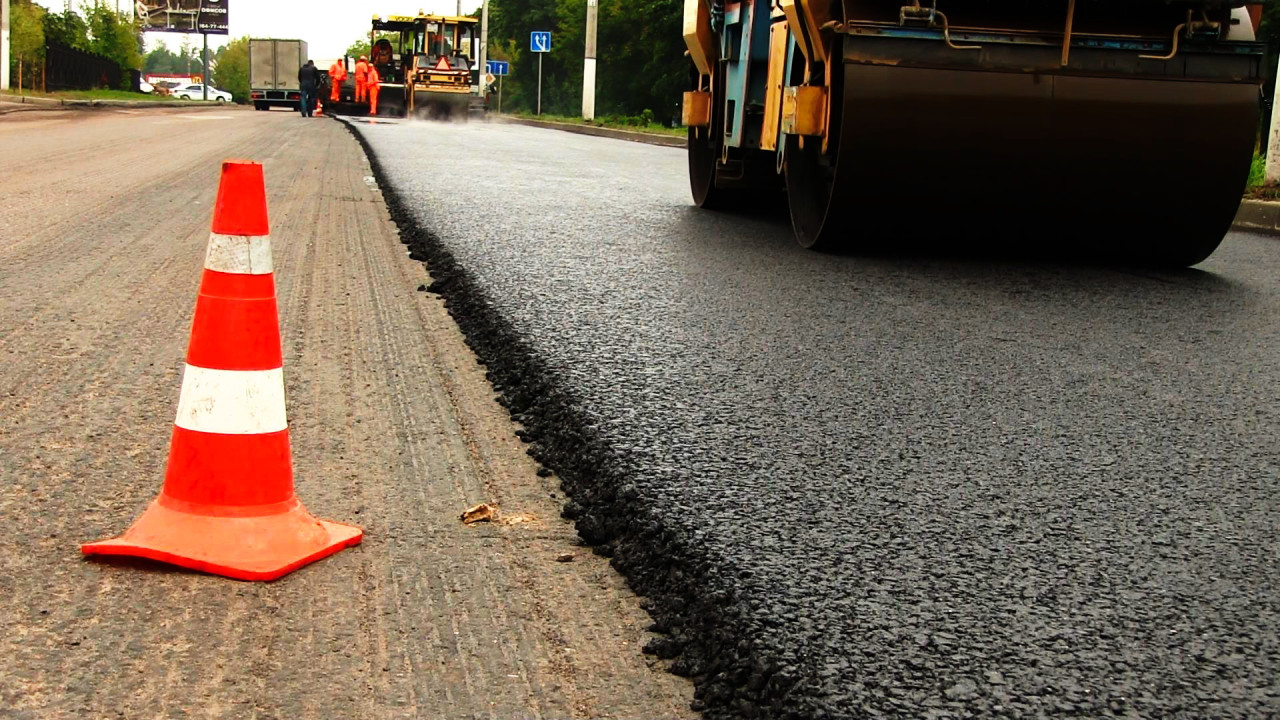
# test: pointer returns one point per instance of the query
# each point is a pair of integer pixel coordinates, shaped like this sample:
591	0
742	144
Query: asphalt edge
703	631
1258	216
632	135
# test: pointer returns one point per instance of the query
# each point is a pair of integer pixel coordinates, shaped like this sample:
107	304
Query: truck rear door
262	74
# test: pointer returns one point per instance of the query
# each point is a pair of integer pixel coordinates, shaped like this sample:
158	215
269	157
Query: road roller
1114	128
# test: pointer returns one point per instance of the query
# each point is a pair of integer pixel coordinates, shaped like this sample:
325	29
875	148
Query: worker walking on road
308	81
371	80
337	73
362	79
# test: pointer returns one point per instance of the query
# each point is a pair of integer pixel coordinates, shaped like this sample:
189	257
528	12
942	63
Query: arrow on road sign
540	41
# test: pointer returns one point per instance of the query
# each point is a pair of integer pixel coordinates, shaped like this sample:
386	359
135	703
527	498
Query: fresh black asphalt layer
911	486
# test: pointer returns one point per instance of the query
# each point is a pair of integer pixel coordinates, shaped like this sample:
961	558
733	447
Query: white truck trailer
273	72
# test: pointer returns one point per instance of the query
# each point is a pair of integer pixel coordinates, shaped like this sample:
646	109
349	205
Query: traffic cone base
263	547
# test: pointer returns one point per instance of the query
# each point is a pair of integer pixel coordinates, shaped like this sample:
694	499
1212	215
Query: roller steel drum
1142	168
440	105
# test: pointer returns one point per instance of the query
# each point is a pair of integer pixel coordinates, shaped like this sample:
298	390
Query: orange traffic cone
228	505
319	105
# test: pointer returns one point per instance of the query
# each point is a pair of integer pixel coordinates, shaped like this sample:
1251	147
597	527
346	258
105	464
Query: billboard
184	16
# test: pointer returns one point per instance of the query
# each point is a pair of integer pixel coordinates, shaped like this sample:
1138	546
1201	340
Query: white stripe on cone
232	402
239	254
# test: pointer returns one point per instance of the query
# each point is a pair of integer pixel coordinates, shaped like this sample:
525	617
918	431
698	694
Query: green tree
162	61
510	22
66	28
231	73
113	36
640	63
26	42
641	57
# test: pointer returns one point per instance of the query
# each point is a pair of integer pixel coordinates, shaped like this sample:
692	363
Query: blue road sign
499	67
540	41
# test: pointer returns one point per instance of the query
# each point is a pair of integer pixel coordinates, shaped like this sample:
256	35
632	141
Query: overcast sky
328	26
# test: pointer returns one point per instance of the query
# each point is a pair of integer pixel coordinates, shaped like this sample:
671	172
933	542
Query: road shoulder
394	428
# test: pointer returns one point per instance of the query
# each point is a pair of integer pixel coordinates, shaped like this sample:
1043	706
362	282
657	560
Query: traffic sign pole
540	43
498	69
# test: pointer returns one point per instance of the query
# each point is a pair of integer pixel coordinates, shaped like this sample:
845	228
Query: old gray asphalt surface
916	486
103	230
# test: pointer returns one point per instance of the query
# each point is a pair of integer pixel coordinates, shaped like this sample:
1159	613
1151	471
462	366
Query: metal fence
71	69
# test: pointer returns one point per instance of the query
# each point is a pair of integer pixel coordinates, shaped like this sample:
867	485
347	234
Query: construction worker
362	79
337	73
371	80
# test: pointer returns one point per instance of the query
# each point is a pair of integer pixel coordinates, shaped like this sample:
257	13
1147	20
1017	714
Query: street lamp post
589	64
1273	140
484	49
4	44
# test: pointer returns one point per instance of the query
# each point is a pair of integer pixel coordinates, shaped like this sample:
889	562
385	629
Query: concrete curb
72	103
643	137
1259	216
27	100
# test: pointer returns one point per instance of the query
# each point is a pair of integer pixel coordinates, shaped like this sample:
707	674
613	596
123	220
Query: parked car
196	92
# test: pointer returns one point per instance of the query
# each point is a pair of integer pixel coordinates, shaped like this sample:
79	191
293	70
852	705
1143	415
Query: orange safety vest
373	78
362	72
337	73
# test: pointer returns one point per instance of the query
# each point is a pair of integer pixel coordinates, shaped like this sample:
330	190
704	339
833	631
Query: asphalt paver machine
427	65
1122	125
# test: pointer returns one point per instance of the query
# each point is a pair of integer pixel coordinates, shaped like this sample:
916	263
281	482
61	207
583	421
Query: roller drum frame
1116	154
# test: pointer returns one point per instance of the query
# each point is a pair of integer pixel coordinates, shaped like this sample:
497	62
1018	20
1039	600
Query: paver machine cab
1122	125
427	64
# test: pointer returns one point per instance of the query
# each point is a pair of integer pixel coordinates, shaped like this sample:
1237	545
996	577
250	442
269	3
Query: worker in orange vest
371	81
337	73
362	79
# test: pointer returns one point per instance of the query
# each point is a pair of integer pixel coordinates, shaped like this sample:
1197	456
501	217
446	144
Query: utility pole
484	50
4	44
1273	141
589	64
204	81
